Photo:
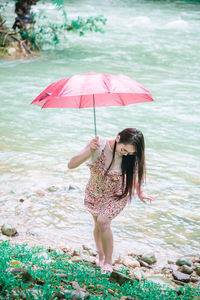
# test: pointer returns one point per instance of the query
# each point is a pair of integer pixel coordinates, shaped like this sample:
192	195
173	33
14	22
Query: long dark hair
132	166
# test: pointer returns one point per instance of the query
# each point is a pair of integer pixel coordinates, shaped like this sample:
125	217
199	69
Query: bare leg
97	238
106	237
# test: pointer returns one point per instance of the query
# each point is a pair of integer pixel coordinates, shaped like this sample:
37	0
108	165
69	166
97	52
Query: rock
166	270
8	230
170	262
144	264
118	277
52	189
181	276
160	279
85	247
77	258
182	261
137	274
130	262
71	294
149	258
118	260
72	187
178	282
92	252
194	278
22	272
185	269
197	269
76	252
43	255
21	200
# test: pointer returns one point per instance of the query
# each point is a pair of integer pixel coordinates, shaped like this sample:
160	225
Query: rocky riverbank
182	272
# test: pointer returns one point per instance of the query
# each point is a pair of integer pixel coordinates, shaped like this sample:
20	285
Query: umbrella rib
121	100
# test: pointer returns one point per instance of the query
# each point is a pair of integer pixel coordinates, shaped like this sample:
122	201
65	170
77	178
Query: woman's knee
103	222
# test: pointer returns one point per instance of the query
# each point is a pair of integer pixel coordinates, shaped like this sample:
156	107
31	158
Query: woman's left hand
145	198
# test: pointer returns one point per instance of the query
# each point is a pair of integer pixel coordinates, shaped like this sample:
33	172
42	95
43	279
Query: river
156	43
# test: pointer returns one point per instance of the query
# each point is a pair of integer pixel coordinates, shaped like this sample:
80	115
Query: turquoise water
157	44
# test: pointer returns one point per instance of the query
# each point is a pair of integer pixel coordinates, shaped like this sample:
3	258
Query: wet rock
197	269
22	272
160	279
130	262
72	187
185	269
21	200
118	277
92	252
181	276
8	230
182	261
149	258
52	189
170	262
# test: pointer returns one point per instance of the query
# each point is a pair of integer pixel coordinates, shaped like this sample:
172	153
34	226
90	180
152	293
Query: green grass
46	281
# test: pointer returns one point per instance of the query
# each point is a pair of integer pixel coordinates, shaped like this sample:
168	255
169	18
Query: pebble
149	258
8	230
182	261
130	262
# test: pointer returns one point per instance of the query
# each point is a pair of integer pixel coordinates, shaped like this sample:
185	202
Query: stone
76	252
182	261
144	264
149	258
160	279
137	274
181	276
11	50
85	247
170	262
185	269
118	260
52	189
21	200
23	272
130	262
197	269
194	278
118	277
166	270
8	230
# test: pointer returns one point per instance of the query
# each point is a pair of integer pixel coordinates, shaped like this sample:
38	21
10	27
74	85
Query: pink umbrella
91	90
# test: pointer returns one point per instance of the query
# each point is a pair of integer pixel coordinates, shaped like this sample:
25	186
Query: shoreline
161	271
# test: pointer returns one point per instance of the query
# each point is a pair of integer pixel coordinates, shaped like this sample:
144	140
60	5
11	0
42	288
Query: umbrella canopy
91	90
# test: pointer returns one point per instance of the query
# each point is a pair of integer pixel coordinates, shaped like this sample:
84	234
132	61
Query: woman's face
124	149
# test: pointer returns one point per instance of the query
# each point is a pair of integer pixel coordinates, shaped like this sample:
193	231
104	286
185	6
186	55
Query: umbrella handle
95	127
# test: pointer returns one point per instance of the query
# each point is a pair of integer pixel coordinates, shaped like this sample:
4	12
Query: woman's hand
145	198
94	144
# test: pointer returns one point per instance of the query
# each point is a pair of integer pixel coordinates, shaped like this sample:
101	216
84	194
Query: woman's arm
82	156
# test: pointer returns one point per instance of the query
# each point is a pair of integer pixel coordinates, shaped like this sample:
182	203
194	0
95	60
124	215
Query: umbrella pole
95	127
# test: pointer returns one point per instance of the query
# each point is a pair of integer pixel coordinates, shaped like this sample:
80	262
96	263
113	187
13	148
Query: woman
117	169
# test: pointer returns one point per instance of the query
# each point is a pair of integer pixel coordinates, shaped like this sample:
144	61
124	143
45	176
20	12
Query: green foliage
46	280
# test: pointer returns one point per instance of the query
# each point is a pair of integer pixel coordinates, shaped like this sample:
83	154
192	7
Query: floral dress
102	190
